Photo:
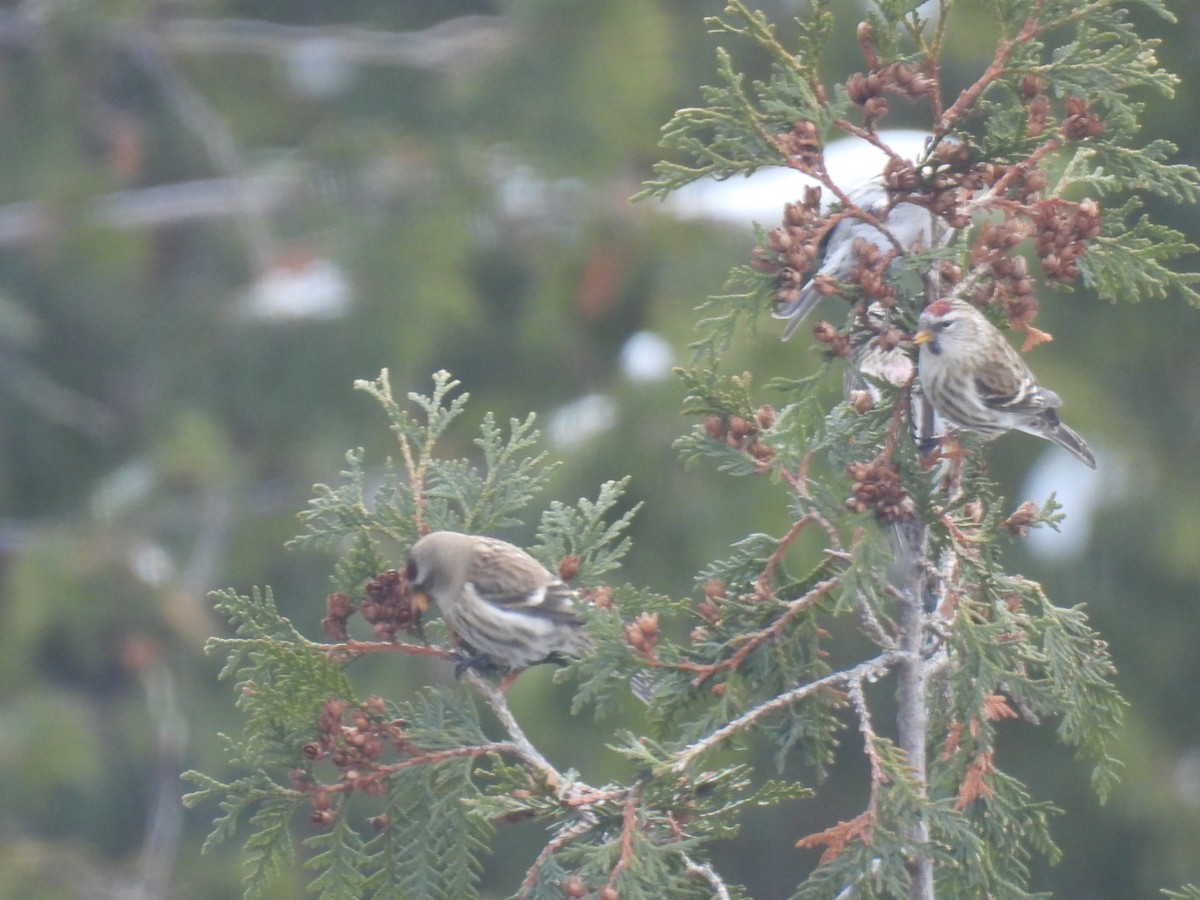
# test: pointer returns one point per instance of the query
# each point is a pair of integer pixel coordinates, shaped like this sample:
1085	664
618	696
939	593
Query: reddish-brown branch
870	137
898	410
934	71
852	210
1028	31
559	841
351	648
763	584
748	643
753	641
997	190
702	670
582	795
628	827
764	591
798	482
968	544
815	168
356	780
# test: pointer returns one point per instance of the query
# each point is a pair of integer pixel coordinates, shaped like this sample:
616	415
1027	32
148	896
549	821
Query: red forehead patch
940	307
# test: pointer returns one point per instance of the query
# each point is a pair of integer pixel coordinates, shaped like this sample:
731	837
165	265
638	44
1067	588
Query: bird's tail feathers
797	310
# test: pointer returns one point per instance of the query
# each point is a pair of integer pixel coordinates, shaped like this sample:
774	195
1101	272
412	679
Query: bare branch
871	668
211	129
556	843
867	730
379	772
55	402
912	721
871	625
709	874
352	648
628	827
154	207
747	643
966	100
523	747
454	46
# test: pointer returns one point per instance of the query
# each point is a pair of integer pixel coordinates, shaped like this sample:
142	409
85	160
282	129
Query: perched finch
912	226
500	601
975	380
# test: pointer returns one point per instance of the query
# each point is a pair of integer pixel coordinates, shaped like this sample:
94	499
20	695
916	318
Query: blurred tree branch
451	47
159	206
909	589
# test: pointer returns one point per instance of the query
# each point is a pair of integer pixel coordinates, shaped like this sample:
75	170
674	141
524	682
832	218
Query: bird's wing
872	198
518	582
552	601
1011	387
1005	392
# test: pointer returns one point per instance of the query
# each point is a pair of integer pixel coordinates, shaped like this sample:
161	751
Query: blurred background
214	216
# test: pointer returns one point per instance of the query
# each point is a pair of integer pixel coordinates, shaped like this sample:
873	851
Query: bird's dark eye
944	324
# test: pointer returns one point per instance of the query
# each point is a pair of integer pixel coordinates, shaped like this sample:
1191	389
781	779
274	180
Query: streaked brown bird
504	605
976	381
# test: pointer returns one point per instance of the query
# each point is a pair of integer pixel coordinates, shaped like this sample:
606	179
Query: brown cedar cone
877	486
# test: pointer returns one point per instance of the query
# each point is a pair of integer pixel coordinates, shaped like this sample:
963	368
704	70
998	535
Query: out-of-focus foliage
968	645
175	352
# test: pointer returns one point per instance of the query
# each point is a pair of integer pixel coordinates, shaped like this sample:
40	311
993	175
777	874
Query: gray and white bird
975	380
911	225
503	604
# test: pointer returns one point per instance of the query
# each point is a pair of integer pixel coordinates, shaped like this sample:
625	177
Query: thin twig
709	874
452	46
798	482
867	730
871	668
872	138
523	746
1028	31
213	132
768	573
560	840
871	624
1031	162
379	772
351	648
850	209
751	642
628	827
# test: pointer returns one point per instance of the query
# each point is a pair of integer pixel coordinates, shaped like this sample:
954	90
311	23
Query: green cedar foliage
907	597
422	758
